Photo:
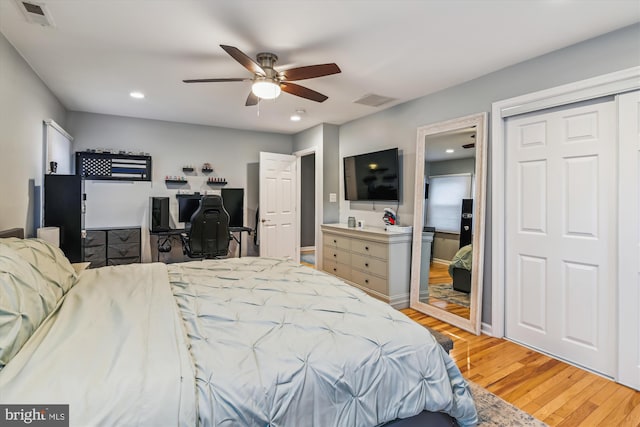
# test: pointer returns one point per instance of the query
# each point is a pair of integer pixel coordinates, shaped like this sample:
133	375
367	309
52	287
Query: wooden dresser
112	246
372	259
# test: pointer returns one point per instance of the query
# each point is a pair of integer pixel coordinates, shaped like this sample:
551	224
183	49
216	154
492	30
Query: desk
164	237
238	239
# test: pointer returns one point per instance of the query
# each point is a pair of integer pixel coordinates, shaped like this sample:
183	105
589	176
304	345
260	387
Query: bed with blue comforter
235	342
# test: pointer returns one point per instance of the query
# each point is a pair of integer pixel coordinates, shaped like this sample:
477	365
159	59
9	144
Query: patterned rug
445	292
308	258
496	412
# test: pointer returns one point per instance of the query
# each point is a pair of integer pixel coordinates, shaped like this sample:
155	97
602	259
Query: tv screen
187	205
372	176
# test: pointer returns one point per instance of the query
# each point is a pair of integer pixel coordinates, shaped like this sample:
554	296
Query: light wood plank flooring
555	392
439	274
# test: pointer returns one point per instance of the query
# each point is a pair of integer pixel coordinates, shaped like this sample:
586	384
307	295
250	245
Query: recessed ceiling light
450	150
297	116
136	95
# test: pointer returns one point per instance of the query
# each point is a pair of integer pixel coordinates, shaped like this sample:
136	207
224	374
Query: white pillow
26	299
48	259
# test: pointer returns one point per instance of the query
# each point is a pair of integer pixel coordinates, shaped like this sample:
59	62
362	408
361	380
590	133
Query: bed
234	342
460	269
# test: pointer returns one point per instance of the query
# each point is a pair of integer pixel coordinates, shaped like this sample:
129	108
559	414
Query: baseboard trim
486	329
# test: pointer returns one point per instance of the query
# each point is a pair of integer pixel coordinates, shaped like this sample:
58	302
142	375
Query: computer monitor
187	205
233	201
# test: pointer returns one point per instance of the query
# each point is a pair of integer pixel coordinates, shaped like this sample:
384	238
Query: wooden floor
552	391
438	275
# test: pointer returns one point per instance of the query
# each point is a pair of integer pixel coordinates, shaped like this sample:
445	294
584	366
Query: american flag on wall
110	166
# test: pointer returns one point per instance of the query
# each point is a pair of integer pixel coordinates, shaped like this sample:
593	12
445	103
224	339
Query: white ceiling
100	50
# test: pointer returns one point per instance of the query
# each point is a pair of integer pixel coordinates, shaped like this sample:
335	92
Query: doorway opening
308	209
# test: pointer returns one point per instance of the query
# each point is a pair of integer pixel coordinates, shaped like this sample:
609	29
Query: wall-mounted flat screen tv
372	176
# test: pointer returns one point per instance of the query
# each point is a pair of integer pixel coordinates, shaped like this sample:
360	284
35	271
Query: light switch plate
333	197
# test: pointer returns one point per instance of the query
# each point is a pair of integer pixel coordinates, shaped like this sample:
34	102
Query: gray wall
396	127
25	103
232	153
325	138
308	201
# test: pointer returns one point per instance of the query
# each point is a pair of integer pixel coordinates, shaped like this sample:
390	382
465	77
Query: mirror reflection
448	231
447	250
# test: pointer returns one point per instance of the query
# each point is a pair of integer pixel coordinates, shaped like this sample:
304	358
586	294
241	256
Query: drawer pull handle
366	248
366	281
335	255
335	241
366	264
335	269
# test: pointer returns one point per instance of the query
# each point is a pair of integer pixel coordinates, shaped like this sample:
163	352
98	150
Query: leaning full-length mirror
449	211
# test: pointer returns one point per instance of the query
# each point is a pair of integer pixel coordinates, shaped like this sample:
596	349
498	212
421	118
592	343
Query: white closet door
561	237
629	258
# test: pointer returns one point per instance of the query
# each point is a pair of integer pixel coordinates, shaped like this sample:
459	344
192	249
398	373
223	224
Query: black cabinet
63	209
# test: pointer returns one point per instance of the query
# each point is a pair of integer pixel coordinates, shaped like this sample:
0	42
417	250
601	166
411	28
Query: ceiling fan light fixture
266	89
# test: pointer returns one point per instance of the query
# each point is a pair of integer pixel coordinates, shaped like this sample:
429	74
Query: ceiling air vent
36	13
373	100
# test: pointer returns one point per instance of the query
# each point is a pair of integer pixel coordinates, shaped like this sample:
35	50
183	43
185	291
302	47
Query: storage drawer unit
372	259
95	248
112	246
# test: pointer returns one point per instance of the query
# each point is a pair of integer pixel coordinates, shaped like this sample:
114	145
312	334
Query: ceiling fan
268	82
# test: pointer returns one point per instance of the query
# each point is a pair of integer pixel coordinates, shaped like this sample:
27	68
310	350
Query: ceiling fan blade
243	59
310	72
215	80
252	100
303	92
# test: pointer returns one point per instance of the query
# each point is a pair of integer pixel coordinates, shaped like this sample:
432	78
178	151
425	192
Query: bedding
242	341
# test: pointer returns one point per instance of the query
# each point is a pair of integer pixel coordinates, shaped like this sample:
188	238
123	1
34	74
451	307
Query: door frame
604	85
318	197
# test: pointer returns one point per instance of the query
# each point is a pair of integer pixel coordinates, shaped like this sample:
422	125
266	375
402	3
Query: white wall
25	102
397	126
171	145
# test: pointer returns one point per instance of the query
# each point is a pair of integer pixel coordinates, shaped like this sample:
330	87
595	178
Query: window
444	204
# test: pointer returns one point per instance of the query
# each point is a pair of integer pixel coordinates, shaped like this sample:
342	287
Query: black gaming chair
209	234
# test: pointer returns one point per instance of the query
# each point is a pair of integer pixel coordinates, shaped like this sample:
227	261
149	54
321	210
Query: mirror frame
473	324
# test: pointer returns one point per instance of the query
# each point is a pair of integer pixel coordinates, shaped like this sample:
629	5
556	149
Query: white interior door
561	238
278	216
629	238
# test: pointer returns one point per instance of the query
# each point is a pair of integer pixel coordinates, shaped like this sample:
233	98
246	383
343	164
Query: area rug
308	258
496	412
445	292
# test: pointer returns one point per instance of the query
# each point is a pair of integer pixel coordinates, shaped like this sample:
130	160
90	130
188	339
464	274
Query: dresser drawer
338	255
337	269
123	250
125	235
377	250
95	238
369	281
95	253
369	265
122	261
331	240
97	263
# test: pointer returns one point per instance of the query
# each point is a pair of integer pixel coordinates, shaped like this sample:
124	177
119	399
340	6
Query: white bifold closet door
561	240
629	256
